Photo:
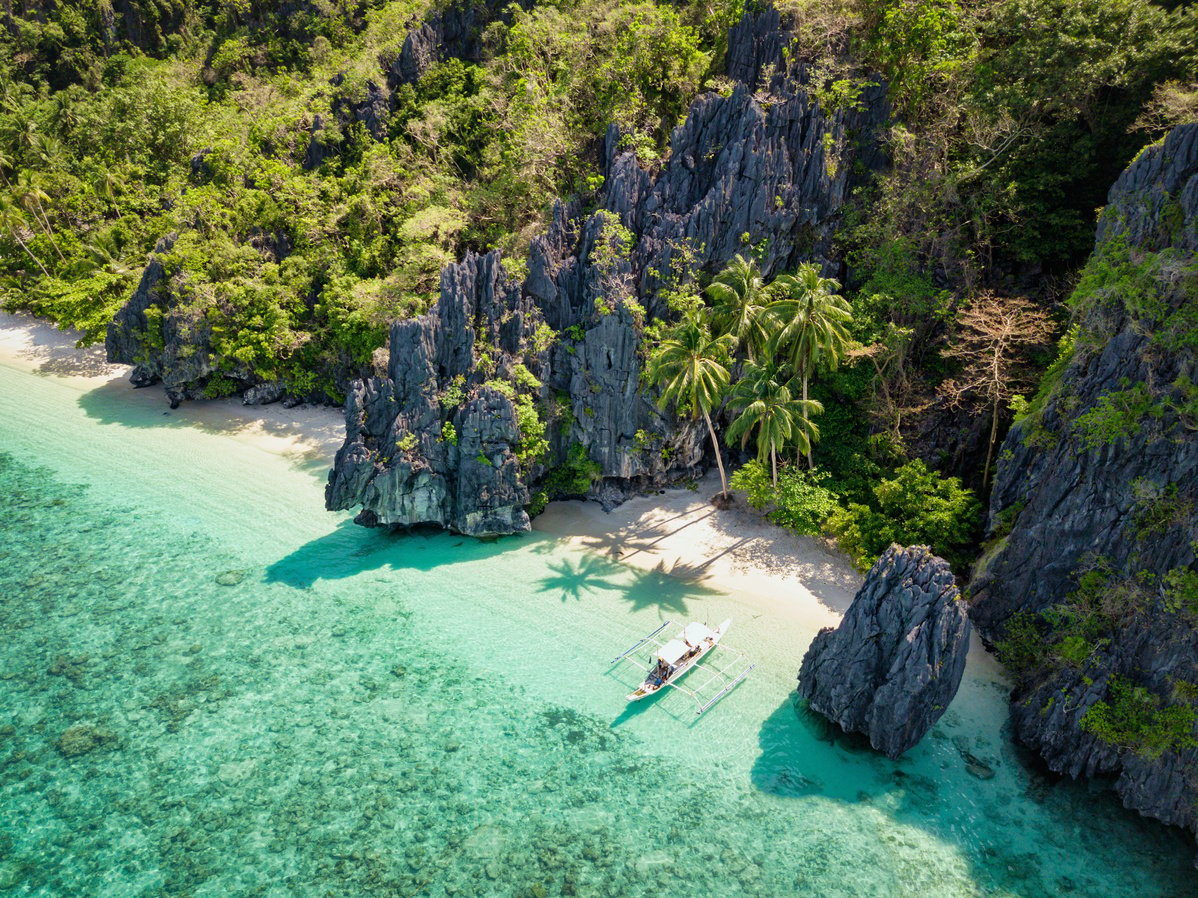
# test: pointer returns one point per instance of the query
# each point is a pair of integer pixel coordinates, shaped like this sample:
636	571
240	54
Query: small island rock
893	665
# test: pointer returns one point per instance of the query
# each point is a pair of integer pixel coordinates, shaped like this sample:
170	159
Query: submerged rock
893	665
81	739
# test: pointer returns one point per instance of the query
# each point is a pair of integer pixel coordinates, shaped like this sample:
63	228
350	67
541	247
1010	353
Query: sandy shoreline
307	435
680	533
677	532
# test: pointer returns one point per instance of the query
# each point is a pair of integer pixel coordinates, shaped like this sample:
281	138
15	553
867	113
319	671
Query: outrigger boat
676	657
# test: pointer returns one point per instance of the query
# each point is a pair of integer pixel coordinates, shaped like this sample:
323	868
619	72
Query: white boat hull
653	684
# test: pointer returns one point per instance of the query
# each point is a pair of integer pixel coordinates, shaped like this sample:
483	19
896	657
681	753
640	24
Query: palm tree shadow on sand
666	588
578	578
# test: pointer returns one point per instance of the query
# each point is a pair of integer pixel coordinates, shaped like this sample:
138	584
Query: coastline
676	532
308	435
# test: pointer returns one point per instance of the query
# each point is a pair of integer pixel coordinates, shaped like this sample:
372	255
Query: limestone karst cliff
764	166
1090	583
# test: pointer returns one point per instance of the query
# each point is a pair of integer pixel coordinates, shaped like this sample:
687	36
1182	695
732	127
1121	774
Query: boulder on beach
893	665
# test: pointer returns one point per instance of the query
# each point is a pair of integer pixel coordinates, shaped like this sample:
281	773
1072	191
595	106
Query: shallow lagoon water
213	687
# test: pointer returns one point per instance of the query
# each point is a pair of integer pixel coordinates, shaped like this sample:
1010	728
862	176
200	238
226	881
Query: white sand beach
677	532
310	435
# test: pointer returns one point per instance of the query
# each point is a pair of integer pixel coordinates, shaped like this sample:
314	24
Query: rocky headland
447	437
1089	583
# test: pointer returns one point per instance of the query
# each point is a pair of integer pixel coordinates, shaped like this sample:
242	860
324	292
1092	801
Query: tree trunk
990	447
774	463
810	460
718	460
49	230
30	252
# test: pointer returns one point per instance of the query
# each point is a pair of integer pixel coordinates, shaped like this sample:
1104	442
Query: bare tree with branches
994	335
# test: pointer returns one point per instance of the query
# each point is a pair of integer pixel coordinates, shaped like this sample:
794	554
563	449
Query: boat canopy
672	651
696	632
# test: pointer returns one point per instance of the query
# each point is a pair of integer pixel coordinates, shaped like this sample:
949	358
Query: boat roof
672	651
696	632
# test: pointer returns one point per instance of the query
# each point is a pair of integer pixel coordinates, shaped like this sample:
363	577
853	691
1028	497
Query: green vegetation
1116	416
814	326
570	480
1135	719
764	404
308	211
914	507
779	337
1069	634
1003	153
533	445
690	366
797	499
303	199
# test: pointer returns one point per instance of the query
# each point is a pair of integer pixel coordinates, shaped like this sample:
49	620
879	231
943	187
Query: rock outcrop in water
763	166
895	662
1090	579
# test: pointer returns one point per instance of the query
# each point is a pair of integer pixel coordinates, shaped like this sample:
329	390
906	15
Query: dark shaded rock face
172	346
893	665
745	170
1105	479
454	32
417	453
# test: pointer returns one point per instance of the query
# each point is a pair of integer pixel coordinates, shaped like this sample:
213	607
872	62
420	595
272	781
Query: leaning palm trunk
715	445
50	231
774	463
25	247
810	459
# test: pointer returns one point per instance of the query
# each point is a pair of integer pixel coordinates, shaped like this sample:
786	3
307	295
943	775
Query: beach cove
215	687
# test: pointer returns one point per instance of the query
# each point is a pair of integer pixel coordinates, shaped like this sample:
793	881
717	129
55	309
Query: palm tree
814	317
765	403
103	254
30	195
739	305
106	185
691	367
13	222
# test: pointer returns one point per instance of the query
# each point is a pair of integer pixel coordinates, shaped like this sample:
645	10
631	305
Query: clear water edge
279	703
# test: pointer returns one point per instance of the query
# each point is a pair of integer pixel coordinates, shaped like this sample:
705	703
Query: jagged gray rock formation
173	347
762	167
1104	479
452	32
399	461
895	662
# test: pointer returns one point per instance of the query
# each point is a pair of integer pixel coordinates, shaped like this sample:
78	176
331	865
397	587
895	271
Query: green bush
1023	648
1116	416
1134	718
801	502
572	479
914	507
533	445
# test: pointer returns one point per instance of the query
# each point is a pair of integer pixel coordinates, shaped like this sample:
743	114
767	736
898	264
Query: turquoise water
212	687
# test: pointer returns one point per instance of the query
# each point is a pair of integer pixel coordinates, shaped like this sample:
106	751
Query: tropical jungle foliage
305	215
303	197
